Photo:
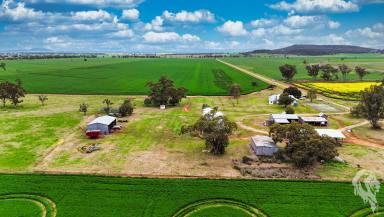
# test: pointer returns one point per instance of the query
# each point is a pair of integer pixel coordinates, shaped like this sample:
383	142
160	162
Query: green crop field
66	196
109	76
269	65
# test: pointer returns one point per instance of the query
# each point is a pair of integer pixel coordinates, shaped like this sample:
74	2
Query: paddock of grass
35	138
268	65
109	76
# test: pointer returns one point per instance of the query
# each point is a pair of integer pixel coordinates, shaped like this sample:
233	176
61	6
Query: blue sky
157	26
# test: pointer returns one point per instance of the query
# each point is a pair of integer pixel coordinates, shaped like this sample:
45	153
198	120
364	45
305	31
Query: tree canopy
164	92
312	94
285	100
329	72
303	145
313	70
294	91
371	105
12	92
361	72
214	129
345	70
288	71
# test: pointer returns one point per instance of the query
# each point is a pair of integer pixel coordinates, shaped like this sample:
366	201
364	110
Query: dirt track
279	84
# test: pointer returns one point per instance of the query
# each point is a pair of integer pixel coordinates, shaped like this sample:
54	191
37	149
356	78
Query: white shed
336	134
263	146
104	124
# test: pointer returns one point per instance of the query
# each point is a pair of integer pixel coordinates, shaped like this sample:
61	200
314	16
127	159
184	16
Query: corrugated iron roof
314	119
107	120
285	116
337	134
263	141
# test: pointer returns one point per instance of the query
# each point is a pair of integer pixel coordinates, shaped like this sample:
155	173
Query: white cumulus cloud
162	37
131	14
233	28
92	15
193	17
334	6
263	22
297	21
19	12
333	24
98	3
156	24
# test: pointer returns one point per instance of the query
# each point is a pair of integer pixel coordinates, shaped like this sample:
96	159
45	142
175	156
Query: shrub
126	109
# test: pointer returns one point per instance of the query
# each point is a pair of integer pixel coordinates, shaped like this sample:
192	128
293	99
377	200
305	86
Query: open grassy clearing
366	132
108	76
163	197
150	143
269	65
357	157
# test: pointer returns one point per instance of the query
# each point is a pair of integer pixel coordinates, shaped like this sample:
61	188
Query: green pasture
109	76
30	131
108	196
269	65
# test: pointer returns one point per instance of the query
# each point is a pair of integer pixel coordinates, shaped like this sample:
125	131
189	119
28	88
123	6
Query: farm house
102	124
282	119
314	121
274	99
263	146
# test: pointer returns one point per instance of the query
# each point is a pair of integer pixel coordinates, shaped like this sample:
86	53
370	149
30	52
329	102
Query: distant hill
317	50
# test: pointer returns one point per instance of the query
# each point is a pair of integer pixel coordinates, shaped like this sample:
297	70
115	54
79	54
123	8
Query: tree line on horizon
327	72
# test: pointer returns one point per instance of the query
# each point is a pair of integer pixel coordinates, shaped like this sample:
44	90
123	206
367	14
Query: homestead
314	121
103	125
208	110
274	99
282	119
320	120
263	146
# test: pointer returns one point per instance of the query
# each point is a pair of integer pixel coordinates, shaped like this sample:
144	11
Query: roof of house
313	119
274	97
285	116
277	96
337	134
263	141
107	120
281	121
209	110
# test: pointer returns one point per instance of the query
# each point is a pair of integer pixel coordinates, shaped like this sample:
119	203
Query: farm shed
103	124
336	134
282	118
263	146
314	121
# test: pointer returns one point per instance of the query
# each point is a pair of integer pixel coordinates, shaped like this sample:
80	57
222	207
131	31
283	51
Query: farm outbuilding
263	146
335	134
314	121
103	124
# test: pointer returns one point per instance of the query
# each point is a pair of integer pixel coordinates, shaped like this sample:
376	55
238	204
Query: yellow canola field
343	87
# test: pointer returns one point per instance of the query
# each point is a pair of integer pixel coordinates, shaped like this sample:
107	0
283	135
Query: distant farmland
109	76
268	65
108	196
